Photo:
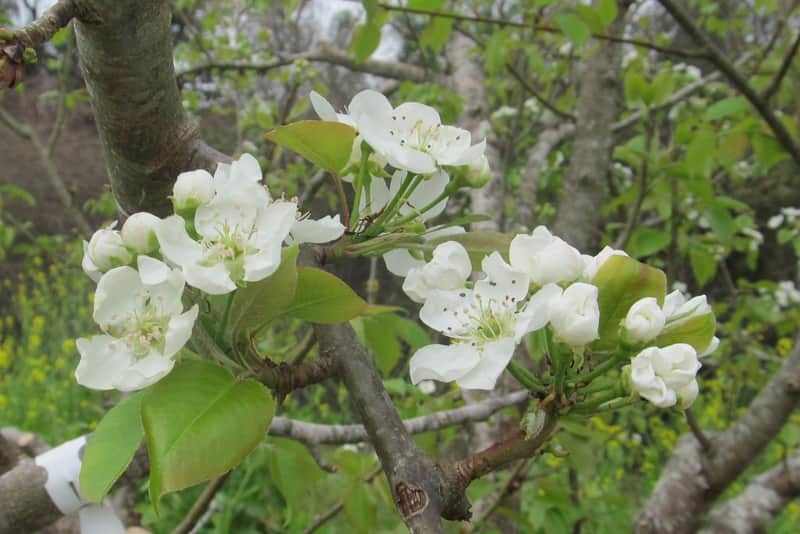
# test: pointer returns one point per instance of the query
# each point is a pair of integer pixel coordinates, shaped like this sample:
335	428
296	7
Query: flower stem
361	178
224	324
525	377
429	206
598	371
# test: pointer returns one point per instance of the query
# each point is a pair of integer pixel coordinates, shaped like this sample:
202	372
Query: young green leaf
111	448
323	298
260	302
621	282
323	143
199	423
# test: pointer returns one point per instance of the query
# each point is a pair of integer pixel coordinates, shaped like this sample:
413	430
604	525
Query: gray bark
579	221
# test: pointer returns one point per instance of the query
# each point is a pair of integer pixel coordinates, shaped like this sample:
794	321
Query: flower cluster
226	231
548	284
421	153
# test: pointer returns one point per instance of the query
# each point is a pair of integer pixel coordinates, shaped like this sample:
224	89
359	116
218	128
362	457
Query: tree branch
760	502
317	434
325	54
717	57
693	477
775	84
58	16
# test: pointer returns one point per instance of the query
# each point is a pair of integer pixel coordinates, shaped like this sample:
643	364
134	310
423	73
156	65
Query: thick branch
761	501
736	78
693	478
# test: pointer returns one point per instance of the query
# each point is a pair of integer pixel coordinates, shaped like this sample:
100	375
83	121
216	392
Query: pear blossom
400	261
666	376
104	251
324	230
144	327
485	324
240	231
678	309
645	320
545	257
139	232
325	110
191	190
448	269
575	314
411	136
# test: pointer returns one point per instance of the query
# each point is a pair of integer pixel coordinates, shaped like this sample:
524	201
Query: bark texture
579	221
126	56
693	478
26	506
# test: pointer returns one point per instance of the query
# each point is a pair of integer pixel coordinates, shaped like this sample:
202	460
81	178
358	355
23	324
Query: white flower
545	257
139	232
710	349
240	231
325	110
592	264
666	376
104	251
485	324
400	261
144	326
322	230
448	269
192	189
645	320
775	221
678	310
575	314
411	137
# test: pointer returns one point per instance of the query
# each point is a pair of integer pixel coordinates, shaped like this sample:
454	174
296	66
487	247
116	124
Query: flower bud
575	315
545	257
644	321
666	376
106	250
192	189
139	232
691	322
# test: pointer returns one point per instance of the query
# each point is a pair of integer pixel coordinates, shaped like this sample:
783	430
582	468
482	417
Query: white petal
446	311
151	270
246	168
88	265
688	394
322	107
176	244
414	115
501	280
103	359
427	191
442	362
400	261
274	223
119	294
262	264
452	143
179	330
368	103
214	280
494	359
408	159
471	155
536	313
321	230
415	286
144	372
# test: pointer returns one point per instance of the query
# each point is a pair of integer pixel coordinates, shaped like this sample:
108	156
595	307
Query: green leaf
768	151
360	509
635	87
721	222
700	153
697	332
622	281
323	298
704	263
726	107
496	51
323	143
366	38
647	241
436	33
199	423
111	448
478	245
260	302
574	28
607	11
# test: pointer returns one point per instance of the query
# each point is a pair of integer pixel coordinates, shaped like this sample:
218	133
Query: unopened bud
107	250
192	189
139	232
